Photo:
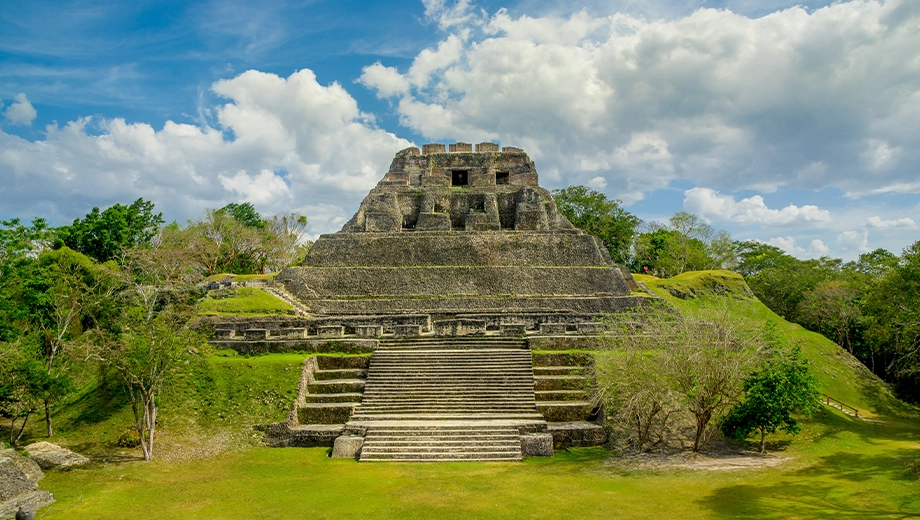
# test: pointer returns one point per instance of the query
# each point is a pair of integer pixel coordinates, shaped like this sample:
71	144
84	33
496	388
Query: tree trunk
50	431
14	441
763	440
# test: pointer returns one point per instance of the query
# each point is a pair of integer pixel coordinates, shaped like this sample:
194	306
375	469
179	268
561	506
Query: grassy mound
247	301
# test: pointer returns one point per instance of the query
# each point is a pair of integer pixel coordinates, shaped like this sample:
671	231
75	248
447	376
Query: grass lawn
839	468
247	301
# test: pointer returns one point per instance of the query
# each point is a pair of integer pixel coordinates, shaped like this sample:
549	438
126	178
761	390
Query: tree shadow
802	496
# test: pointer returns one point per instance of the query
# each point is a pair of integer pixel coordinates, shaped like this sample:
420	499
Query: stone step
509	448
339	373
345	397
359	416
448	439
325	413
560	371
560	395
464	457
549	359
389	410
336	386
561	383
566	411
332	362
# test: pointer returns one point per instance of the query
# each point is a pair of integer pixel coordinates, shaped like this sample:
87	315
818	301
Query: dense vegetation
870	306
113	293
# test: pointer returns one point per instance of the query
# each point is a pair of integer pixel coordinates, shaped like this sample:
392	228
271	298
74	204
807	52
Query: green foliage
245	214
604	218
892	310
103	234
687	243
782	387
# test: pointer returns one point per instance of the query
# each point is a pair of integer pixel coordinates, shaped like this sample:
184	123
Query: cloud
877	223
449	13
816	249
21	112
800	98
281	143
752	210
854	241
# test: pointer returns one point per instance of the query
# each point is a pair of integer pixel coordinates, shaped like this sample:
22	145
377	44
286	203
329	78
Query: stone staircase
564	384
447	399
280	292
329	390
427	442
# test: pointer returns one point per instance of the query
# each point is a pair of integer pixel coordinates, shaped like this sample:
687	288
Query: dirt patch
191	445
698	461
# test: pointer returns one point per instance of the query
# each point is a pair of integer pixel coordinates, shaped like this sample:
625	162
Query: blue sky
795	123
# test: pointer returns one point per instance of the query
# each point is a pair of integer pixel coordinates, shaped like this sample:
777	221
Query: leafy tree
686	243
891	311
832	309
604	218
782	387
22	381
245	214
103	234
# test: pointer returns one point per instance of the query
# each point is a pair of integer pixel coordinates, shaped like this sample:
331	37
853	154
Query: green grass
847	468
249	301
240	277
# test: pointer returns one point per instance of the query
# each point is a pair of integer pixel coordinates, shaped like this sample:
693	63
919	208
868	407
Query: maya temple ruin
461	290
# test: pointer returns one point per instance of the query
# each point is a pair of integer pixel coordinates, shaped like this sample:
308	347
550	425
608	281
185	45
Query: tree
148	341
21	383
831	308
245	214
782	387
637	393
686	243
891	310
102	235
597	215
702	362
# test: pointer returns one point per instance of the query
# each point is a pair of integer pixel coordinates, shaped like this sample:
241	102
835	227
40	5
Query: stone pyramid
454	242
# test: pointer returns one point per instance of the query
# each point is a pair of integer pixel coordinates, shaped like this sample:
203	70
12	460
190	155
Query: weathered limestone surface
449	230
347	447
537	445
49	455
19	478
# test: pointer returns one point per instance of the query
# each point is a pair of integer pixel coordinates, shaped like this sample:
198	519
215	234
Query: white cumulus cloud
854	241
21	111
752	210
280	143
800	98
878	223
816	249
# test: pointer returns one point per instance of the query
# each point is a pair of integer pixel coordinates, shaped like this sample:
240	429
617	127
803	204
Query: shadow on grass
803	495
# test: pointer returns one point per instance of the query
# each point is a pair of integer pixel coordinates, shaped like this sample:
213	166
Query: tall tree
783	386
600	216
103	234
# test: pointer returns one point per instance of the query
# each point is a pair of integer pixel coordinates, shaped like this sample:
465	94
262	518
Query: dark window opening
460	177
502	177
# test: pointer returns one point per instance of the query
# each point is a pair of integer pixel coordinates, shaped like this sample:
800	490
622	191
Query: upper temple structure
451	234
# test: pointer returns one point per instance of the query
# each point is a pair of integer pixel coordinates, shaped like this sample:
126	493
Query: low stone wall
310	283
456	248
343	345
